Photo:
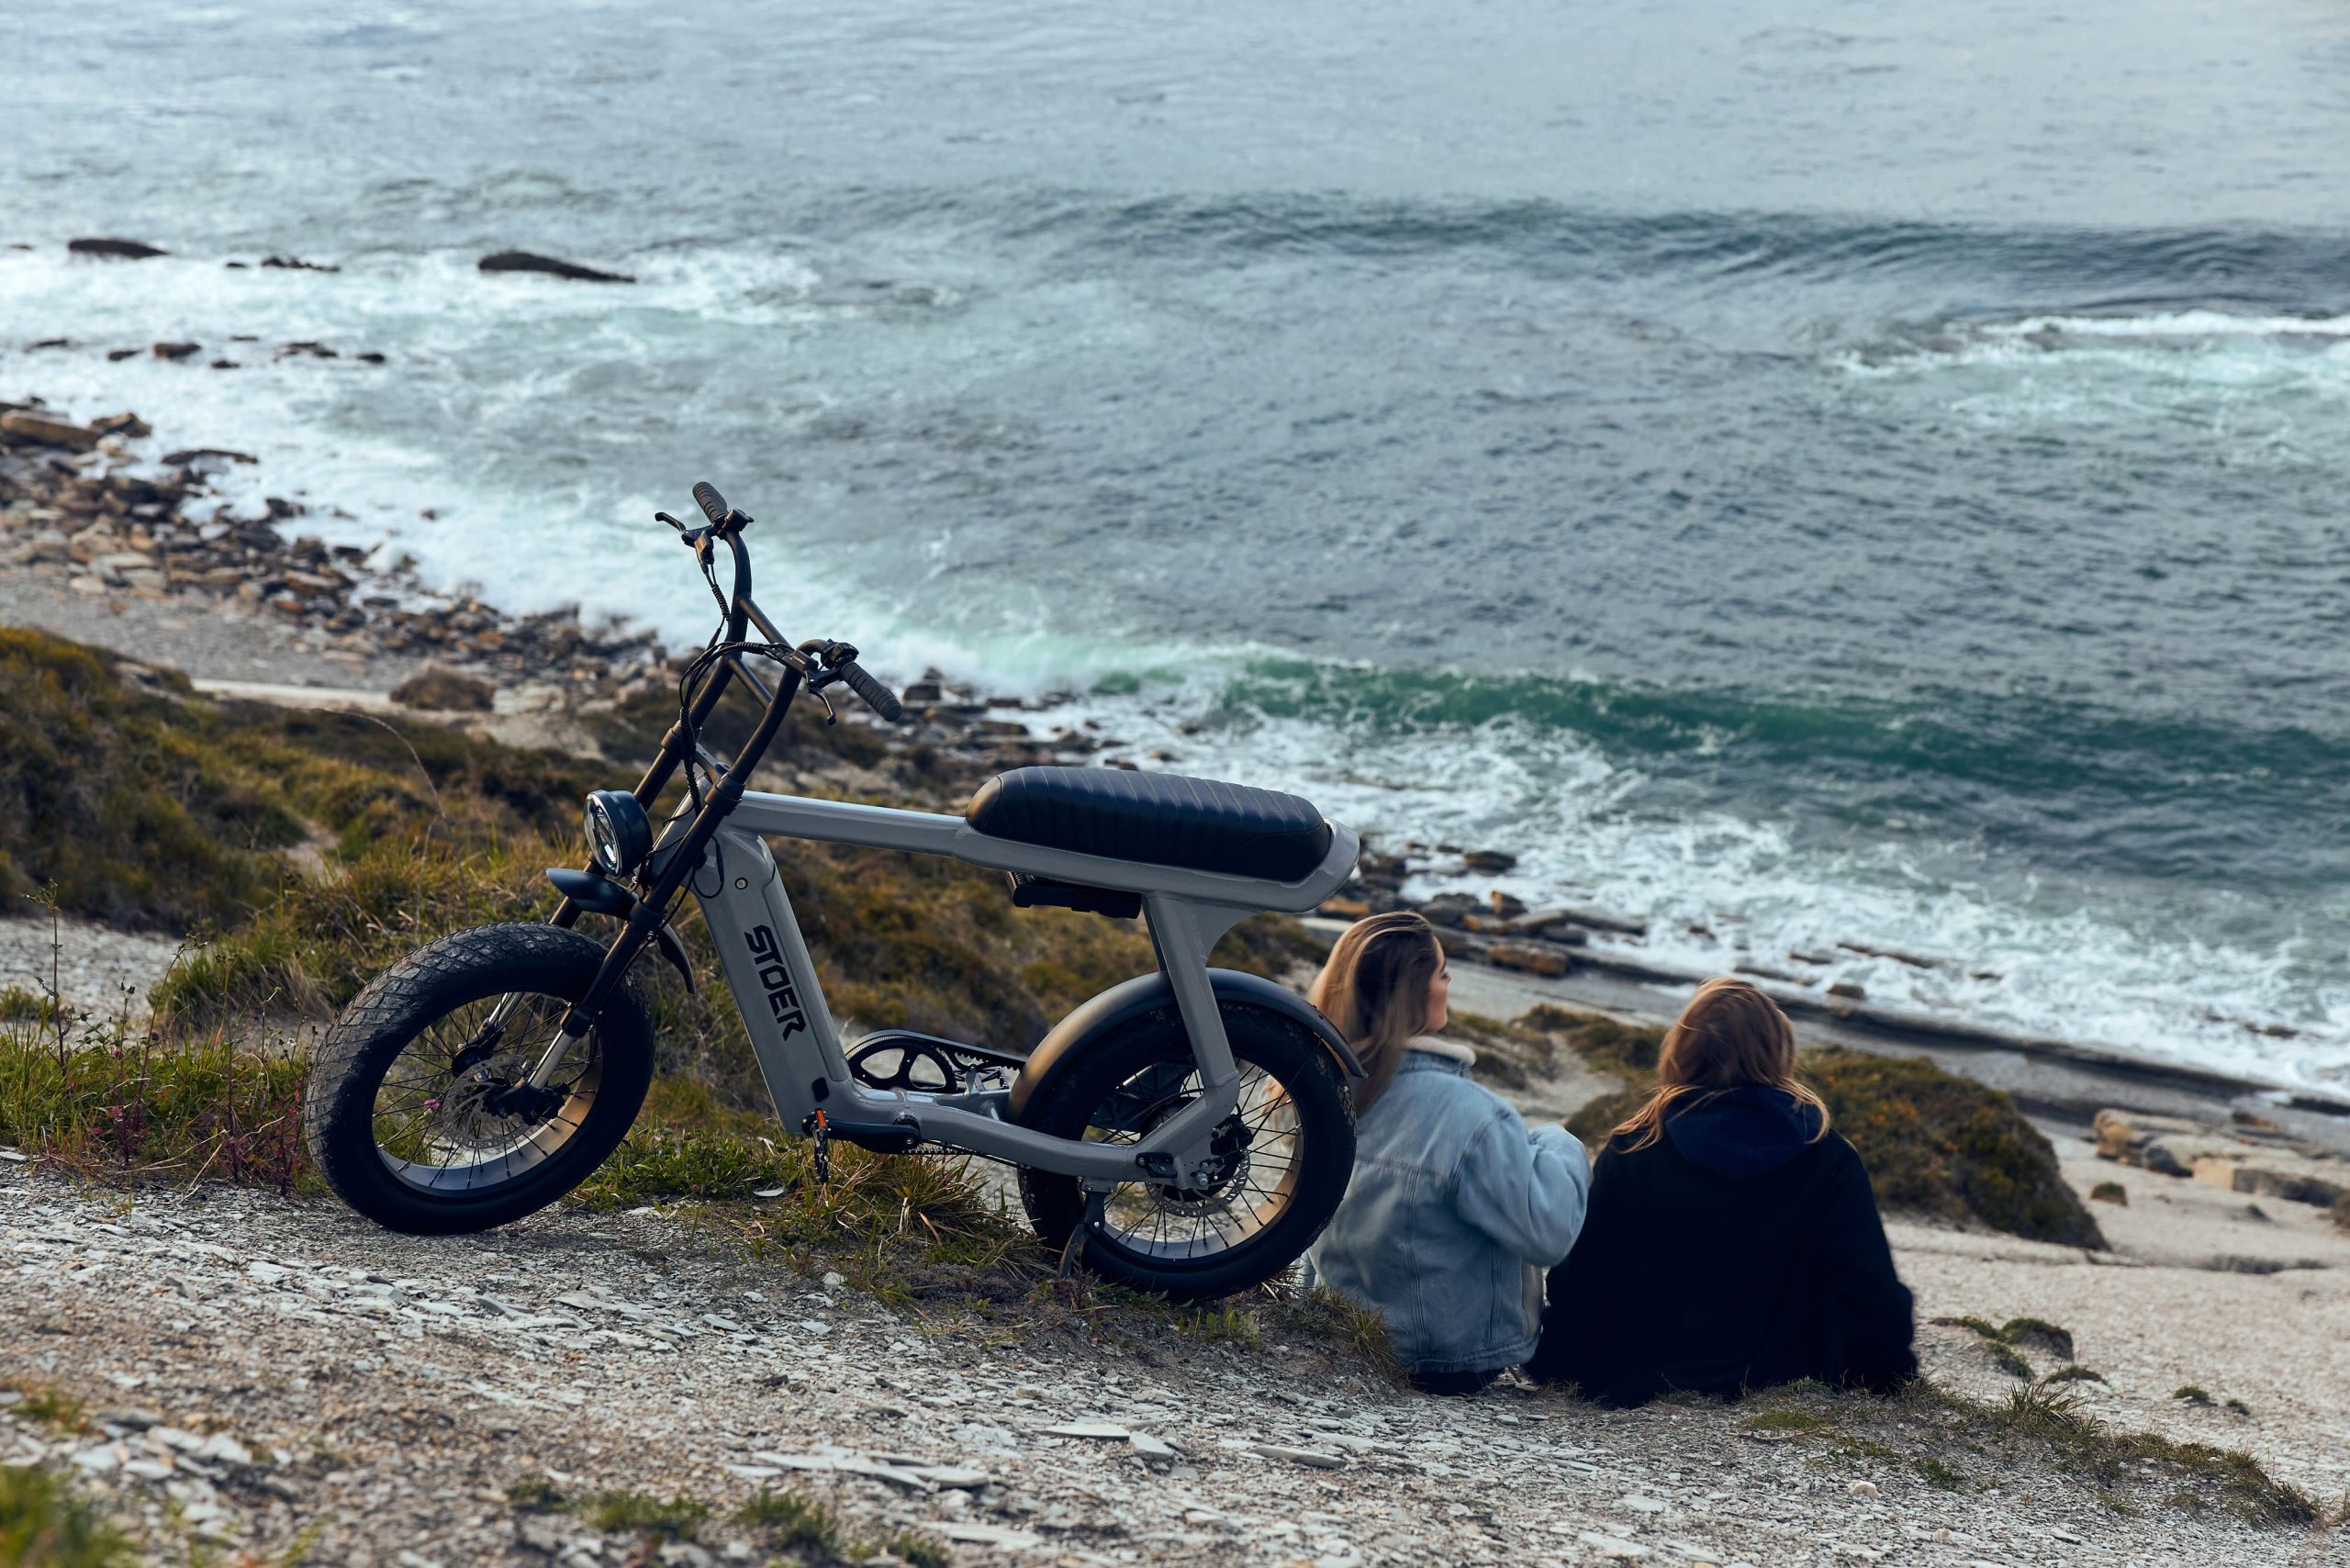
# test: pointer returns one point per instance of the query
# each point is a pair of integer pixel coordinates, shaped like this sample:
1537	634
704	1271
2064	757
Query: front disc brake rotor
1228	1166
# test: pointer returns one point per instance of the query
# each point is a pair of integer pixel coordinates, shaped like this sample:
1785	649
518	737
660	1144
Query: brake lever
830	717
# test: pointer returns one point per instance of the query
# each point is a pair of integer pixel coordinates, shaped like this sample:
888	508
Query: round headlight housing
618	833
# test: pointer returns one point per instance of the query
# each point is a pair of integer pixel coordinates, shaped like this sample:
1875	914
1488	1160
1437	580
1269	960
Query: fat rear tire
468	968
1066	1106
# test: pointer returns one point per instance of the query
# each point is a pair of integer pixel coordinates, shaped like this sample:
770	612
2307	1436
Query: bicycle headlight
618	833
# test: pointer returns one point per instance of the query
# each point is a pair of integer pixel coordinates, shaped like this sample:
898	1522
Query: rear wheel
419	1111
1282	1157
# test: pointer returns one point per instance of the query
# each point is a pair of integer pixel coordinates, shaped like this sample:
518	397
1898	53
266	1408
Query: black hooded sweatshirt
1733	1253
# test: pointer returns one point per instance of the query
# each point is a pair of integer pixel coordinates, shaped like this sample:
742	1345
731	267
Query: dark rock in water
224	365
295	263
124	424
1898	957
445	690
316	351
1509	906
129	250
177	351
524	262
115	354
370	357
1848	989
54	343
186	456
1488	862
1447	909
237	266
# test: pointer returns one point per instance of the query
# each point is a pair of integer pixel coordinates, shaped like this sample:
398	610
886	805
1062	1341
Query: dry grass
1956	1444
43	1523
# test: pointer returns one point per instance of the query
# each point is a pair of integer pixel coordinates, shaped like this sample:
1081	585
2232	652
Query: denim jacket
1454	1205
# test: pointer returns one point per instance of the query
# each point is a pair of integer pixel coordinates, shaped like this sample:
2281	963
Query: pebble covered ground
263	1372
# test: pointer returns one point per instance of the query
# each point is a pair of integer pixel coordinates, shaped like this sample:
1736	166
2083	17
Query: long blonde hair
1375	988
1730	1035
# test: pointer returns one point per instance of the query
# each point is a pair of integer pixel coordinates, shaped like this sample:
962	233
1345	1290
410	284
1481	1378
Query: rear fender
1120	1005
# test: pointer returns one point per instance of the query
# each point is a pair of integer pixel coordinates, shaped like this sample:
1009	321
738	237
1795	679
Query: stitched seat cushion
1160	818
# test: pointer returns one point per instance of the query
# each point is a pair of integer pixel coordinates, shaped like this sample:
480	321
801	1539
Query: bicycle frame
718	854
776	986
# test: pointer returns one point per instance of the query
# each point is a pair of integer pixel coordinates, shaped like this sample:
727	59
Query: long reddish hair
1375	988
1730	1035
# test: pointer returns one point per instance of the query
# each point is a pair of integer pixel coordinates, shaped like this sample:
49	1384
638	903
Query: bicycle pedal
901	1136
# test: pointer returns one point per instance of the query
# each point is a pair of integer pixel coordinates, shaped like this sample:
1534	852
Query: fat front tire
1286	1154
418	1114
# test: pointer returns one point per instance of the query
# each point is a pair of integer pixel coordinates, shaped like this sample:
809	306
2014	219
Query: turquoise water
1804	476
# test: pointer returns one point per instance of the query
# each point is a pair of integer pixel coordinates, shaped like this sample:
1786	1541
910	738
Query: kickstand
1075	1244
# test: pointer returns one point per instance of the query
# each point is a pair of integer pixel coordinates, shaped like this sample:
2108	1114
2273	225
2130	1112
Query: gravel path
266	1372
99	970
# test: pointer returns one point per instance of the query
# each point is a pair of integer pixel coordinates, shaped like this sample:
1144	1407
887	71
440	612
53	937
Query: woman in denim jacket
1455	1206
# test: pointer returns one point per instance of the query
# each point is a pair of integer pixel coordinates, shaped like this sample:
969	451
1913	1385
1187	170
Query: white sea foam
2173	326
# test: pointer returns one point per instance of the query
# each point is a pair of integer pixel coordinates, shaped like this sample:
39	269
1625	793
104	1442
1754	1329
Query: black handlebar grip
877	696
713	505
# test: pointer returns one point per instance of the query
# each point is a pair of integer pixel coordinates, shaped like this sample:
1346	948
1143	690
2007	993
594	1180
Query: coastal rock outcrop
528	262
439	686
125	250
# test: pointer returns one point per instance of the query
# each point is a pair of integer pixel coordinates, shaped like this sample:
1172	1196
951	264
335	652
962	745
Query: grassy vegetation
1956	1444
789	1523
111	1099
640	1513
48	1406
43	1523
2001	1340
1935	1144
803	1530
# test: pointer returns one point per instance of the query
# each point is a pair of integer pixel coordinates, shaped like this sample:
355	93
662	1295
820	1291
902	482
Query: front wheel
419	1111
1284	1156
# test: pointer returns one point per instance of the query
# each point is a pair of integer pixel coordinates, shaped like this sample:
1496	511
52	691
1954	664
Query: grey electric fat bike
1188	1132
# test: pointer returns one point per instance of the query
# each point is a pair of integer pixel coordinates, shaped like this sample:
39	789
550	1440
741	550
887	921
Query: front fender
1122	1003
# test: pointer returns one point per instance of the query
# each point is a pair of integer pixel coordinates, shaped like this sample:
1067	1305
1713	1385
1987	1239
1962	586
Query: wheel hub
1226	1170
520	1100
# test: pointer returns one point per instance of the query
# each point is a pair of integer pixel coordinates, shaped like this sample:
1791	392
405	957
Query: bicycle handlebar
877	696
839	658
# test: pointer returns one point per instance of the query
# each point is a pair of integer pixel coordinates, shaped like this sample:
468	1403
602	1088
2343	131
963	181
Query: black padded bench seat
1159	818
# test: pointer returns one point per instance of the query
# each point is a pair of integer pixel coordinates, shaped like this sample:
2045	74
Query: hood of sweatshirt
1743	1133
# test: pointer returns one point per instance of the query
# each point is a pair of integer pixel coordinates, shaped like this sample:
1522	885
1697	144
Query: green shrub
789	1523
44	1524
676	1519
108	799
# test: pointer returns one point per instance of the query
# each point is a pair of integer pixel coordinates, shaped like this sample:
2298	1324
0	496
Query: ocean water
1802	474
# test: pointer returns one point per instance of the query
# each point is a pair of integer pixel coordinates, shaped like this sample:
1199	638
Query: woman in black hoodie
1733	1241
